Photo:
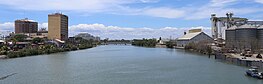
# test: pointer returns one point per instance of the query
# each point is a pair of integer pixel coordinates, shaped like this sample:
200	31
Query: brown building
25	26
57	26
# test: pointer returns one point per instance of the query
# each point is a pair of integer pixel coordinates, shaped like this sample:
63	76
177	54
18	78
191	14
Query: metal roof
189	36
248	26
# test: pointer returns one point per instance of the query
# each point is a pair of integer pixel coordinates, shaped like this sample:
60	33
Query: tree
170	44
37	40
19	38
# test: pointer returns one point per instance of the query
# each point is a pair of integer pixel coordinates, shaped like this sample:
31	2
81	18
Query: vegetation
145	42
18	38
202	46
170	44
46	48
37	40
43	49
3	50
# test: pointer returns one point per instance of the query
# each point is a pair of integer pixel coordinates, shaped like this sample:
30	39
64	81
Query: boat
253	72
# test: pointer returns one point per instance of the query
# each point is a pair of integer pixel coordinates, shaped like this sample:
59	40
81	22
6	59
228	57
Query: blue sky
128	19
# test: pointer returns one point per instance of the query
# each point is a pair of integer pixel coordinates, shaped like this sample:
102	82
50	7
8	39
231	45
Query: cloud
218	3
259	1
62	4
149	1
70	5
115	32
220	7
129	7
43	25
6	28
95	6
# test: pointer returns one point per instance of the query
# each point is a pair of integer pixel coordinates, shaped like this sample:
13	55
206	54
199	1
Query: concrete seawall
238	61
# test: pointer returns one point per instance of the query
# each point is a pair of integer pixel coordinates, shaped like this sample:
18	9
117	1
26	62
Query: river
114	64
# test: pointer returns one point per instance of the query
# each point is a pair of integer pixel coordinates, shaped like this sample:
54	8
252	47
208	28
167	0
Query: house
193	37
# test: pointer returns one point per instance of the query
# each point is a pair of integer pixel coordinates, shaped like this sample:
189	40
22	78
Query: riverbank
3	56
41	50
239	60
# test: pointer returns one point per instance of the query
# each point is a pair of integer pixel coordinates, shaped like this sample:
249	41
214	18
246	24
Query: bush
47	49
145	42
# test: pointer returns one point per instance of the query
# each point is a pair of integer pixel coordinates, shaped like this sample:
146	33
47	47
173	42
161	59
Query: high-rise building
25	26
58	26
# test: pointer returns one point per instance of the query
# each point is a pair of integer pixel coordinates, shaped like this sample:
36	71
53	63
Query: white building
87	36
193	37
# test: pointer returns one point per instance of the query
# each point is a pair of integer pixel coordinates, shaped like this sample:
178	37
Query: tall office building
25	26
58	26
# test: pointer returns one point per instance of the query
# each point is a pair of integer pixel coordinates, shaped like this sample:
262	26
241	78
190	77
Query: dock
239	60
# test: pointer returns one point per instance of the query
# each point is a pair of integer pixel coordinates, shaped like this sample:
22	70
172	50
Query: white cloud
259	1
218	3
71	5
125	7
149	1
95	6
219	7
6	28
115	32
43	25
63	4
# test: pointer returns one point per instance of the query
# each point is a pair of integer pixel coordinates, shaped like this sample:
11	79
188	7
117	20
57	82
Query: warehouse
193	37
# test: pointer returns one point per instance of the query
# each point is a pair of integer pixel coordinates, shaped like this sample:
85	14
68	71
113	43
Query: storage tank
246	36
260	36
230	38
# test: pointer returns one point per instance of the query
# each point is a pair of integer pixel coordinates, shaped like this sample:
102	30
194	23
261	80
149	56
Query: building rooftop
248	26
245	26
232	28
26	20
57	14
189	36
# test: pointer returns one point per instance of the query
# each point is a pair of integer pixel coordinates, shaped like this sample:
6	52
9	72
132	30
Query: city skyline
119	19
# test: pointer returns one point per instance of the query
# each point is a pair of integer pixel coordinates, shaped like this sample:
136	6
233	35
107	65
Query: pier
239	60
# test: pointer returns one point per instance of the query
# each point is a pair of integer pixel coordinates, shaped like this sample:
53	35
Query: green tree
37	40
19	38
170	44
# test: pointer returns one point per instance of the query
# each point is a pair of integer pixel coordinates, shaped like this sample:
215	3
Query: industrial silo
246	36
260	36
230	38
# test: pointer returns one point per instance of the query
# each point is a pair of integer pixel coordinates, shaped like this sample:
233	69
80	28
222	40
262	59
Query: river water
113	64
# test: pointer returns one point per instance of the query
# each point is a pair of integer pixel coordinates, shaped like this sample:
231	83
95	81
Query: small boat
254	73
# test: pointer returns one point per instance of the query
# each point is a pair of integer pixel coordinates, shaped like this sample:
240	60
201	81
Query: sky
128	19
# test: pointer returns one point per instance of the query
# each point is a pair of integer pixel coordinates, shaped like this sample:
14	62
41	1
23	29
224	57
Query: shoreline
232	58
237	60
63	50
